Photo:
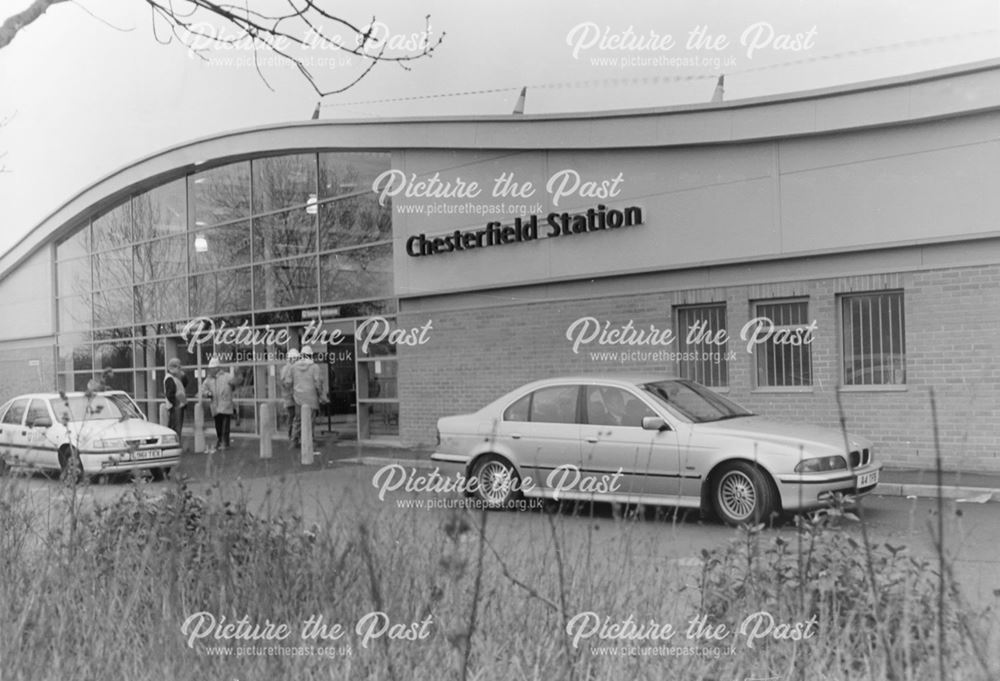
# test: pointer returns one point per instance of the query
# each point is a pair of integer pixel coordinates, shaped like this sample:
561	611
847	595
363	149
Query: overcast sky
88	89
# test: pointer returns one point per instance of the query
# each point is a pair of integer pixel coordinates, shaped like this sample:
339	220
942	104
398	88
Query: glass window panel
284	181
72	349
874	343
286	283
220	195
78	356
220	293
160	259
74	313
343	173
73	277
284	235
75	246
357	274
113	307
383	419
555	405
705	360
784	364
226	246
519	410
116	354
378	379
353	221
113	229
161	211
113	269
161	301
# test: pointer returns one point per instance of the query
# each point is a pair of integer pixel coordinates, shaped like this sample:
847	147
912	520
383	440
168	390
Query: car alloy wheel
743	494
496	481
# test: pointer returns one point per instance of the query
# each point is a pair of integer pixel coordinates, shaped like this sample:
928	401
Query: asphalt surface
344	491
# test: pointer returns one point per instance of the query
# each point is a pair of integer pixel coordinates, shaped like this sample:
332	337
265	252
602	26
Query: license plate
144	454
868	479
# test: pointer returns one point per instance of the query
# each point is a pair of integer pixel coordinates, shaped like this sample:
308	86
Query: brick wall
18	372
952	326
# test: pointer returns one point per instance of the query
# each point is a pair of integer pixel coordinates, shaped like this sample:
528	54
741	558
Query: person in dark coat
175	390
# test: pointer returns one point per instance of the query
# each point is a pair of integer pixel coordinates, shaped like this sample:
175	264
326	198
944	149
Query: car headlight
169	439
110	443
823	463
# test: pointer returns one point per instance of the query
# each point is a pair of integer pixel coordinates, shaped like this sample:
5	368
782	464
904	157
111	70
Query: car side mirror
654	423
41	423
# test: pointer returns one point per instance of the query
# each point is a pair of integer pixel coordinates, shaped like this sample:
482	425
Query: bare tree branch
285	32
14	23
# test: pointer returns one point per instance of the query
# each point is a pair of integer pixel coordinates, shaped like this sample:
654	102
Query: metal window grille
780	361
701	360
874	343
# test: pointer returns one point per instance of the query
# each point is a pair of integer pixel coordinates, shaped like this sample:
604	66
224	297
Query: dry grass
102	593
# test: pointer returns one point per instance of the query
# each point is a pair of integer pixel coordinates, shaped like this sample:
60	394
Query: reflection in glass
161	211
382	419
73	277
113	269
220	195
354	221
113	350
219	247
75	352
358	273
162	300
160	259
113	229
76	246
223	292
113	307
283	181
378	379
286	283
284	235
74	313
343	173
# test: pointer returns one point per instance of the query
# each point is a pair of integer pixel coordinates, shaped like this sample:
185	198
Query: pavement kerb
885	489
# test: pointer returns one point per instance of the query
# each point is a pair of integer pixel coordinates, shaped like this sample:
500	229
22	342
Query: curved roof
927	96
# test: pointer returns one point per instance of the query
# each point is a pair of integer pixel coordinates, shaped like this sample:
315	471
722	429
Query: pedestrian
308	388
175	390
218	390
285	381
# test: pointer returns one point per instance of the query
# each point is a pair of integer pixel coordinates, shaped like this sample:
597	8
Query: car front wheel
743	494
496	481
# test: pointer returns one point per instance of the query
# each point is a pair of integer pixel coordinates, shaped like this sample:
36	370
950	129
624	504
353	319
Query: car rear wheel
743	494
496	481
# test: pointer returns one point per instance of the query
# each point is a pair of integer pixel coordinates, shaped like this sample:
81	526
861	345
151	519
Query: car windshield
96	408
695	401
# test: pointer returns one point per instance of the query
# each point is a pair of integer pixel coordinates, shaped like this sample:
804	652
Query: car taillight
438	432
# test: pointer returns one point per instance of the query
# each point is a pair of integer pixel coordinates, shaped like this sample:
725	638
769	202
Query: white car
650	440
106	431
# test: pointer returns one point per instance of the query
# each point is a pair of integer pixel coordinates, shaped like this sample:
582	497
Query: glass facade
293	243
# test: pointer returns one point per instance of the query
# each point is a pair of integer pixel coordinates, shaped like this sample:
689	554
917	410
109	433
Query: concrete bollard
199	428
266	430
307	435
164	415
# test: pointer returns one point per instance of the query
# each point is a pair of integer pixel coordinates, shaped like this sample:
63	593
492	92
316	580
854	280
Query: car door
13	436
614	441
37	426
543	430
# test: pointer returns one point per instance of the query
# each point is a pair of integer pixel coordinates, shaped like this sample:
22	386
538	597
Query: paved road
346	493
